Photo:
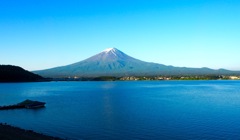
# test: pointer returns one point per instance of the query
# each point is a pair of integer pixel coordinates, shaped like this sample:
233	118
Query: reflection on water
128	110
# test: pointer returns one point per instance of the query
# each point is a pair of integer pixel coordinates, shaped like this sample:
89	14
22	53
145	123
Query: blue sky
40	34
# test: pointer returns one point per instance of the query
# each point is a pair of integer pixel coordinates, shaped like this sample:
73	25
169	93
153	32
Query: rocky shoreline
8	132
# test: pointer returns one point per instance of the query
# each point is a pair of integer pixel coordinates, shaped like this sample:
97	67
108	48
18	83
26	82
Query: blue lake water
127	110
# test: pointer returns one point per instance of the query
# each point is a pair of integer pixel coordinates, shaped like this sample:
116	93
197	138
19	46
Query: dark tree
9	73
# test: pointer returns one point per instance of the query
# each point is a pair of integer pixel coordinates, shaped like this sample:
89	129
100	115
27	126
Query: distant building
234	77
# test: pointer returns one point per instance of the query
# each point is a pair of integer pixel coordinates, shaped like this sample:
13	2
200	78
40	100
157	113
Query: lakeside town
222	77
148	78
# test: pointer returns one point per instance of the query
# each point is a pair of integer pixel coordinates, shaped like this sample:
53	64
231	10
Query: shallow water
127	110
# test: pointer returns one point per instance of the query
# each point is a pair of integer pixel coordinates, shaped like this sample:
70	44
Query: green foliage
104	78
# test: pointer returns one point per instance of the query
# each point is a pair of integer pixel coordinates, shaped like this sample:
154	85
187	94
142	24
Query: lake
127	110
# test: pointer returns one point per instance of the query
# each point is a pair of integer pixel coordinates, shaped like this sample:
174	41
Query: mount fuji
113	62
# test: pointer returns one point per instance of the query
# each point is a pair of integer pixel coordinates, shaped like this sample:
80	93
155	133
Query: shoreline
8	132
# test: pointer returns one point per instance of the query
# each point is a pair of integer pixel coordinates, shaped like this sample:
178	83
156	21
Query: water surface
127	110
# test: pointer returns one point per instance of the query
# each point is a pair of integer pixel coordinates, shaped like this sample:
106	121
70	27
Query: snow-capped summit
109	49
110	54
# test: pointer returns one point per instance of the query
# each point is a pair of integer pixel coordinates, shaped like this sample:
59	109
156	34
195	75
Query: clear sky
40	34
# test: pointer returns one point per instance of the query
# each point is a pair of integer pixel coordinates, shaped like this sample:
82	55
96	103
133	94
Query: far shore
8	132
147	78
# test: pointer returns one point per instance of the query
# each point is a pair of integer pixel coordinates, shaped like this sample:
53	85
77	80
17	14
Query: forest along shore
8	132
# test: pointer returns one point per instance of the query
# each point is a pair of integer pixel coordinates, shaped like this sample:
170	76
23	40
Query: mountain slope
113	62
10	73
